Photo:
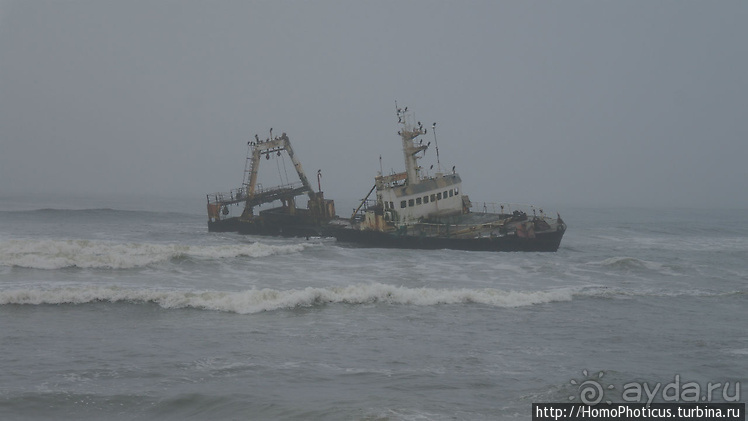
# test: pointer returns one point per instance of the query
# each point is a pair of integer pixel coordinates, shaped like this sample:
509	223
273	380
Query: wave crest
58	254
624	263
254	300
632	264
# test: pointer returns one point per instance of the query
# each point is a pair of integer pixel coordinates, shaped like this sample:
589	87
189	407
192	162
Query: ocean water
134	311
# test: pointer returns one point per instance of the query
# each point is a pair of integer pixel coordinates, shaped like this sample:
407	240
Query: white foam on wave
258	300
267	299
57	254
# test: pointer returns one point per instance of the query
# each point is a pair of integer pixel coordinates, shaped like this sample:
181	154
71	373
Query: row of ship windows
418	200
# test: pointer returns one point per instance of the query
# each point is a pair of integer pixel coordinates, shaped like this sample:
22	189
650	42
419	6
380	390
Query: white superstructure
411	197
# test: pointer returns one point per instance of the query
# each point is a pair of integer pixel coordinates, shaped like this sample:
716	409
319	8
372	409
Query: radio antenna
438	164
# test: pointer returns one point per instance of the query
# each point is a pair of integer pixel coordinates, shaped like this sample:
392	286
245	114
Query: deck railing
507	209
240	194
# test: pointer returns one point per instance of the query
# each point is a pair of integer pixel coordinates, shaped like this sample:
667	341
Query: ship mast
408	133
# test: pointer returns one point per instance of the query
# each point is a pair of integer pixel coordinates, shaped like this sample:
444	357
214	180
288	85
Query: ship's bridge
439	195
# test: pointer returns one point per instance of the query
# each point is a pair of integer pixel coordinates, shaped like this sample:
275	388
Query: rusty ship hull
472	231
548	242
274	222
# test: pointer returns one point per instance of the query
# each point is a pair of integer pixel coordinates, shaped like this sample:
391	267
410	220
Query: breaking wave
258	300
634	264
267	299
58	254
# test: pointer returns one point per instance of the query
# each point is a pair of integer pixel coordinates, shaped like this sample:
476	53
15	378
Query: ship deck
468	226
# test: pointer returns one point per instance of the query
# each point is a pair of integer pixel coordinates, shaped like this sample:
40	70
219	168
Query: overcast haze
594	103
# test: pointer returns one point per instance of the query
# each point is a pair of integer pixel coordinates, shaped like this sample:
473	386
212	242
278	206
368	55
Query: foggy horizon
593	104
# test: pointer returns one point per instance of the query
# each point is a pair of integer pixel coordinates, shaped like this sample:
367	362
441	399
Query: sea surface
133	310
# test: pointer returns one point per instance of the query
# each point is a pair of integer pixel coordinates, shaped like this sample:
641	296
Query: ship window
425	199
433	198
386	205
439	196
445	194
392	205
418	200
410	202
456	191
451	193
403	203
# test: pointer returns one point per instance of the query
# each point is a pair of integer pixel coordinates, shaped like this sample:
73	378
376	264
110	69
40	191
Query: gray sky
634	103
